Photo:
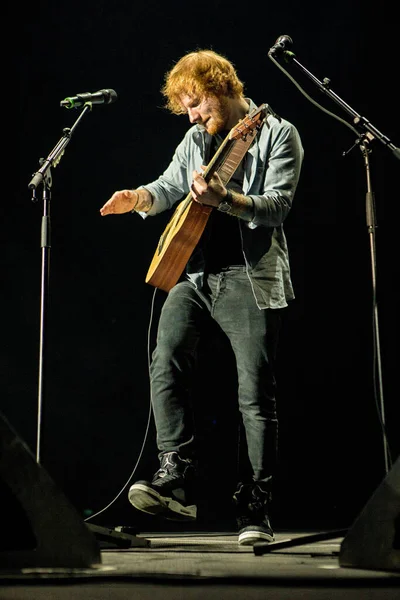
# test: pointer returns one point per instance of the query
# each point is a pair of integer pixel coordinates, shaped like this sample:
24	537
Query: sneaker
251	502
168	494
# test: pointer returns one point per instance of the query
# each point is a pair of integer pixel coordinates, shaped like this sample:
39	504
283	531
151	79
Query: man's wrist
237	205
136	200
226	203
144	200
228	196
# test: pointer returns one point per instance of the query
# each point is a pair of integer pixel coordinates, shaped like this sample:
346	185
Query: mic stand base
112	537
266	547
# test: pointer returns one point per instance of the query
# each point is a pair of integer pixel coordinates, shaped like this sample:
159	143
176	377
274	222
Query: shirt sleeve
173	184
280	160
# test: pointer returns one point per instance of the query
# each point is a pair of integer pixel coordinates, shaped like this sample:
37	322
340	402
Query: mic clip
281	45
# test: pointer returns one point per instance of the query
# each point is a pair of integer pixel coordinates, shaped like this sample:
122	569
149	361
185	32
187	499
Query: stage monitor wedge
41	528
373	541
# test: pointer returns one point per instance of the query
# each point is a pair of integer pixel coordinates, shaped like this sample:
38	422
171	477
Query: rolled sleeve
279	177
174	184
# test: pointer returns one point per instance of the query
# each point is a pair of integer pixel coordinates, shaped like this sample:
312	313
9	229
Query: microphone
100	97
281	44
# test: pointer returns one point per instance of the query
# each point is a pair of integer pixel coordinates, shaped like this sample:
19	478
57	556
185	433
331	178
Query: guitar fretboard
234	156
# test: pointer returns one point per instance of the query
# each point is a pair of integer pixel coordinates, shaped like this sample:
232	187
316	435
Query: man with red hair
236	283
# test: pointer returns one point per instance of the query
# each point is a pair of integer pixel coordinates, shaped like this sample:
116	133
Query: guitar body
176	244
189	220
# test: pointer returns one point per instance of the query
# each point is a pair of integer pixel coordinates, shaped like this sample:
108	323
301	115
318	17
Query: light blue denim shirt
272	170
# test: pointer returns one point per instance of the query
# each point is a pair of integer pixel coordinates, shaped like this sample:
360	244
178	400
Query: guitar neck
229	156
218	157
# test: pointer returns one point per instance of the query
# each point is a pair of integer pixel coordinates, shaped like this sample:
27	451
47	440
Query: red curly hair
199	74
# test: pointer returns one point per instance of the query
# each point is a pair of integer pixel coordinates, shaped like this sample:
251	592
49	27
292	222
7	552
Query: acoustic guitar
188	222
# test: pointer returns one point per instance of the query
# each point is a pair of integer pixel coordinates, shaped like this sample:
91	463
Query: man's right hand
120	202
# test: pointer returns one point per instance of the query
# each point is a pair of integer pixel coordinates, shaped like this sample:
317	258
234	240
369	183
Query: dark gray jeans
253	335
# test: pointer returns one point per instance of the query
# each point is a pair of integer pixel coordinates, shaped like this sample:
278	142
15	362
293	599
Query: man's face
210	112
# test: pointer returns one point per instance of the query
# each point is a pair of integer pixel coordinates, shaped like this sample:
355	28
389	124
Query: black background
101	316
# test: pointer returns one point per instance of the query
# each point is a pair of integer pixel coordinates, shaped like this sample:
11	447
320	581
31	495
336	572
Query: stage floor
207	566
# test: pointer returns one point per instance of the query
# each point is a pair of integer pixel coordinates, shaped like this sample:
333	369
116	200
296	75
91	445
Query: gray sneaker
251	504
169	494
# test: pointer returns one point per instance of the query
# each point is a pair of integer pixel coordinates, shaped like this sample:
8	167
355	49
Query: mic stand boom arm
56	154
367	129
43	176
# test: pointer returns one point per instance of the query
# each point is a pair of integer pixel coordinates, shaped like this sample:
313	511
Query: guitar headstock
251	122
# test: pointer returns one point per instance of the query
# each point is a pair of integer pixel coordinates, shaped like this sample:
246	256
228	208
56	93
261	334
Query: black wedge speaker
40	527
373	541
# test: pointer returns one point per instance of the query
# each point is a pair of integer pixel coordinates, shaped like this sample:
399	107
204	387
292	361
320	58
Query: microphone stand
122	539
43	177
366	134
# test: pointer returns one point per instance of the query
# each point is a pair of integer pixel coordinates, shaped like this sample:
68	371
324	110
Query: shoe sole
249	538
151	502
